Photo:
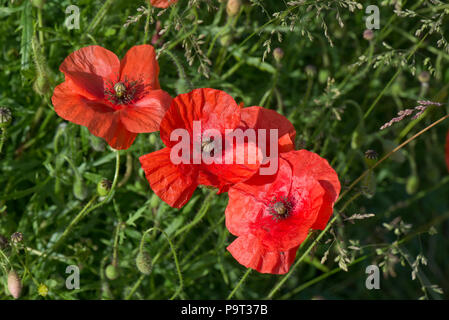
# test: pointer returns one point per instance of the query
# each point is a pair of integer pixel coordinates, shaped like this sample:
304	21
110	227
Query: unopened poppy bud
5	117
79	190
154	202
424	77
112	272
104	187
42	290
41	85
278	54
17	237
368	34
412	184
38	3
14	284
233	7
153	139
143	262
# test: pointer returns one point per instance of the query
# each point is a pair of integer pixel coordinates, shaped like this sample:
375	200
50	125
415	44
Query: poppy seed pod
5	117
17	237
104	187
143	262
233	7
112	272
14	284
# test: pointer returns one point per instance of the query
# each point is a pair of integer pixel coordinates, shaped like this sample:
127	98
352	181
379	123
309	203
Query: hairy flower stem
239	284
181	72
99	16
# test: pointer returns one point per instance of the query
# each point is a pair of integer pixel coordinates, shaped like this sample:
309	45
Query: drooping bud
112	272
104	187
233	7
278	54
5	117
143	262
17	237
368	34
14	284
412	184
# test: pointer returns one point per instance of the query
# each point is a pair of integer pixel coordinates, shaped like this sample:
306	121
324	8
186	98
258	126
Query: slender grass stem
239	284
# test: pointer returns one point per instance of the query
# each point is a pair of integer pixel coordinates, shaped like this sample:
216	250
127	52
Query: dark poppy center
280	208
124	92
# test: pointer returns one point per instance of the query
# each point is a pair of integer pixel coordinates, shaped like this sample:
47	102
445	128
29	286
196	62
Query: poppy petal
214	108
174	184
90	68
306	163
140	63
236	170
250	200
101	120
146	114
250	252
261	118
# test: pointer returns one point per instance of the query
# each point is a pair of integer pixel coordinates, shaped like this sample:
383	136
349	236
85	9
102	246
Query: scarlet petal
90	68
101	120
248	201
174	184
162	3
214	108
306	163
250	252
237	170
447	150
140	63
261	118
146	114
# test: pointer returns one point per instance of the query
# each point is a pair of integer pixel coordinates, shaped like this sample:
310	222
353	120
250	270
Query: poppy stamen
280	208
124	92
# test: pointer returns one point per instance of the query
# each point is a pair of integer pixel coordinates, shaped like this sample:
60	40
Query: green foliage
337	88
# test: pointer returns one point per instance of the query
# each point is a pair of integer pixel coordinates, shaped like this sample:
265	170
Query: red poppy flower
447	150
272	215
162	3
114	99
259	118
175	183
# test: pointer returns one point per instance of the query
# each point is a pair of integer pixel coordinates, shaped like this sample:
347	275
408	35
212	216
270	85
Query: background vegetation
337	88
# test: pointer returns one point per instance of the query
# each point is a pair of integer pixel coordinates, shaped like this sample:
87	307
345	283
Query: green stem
2	139
239	284
88	208
99	16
